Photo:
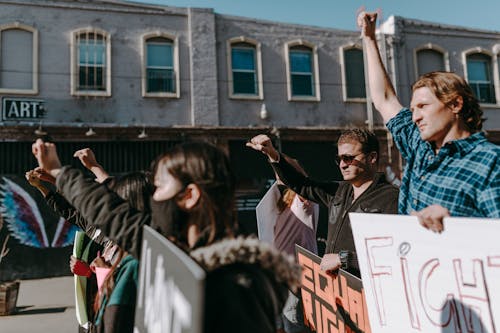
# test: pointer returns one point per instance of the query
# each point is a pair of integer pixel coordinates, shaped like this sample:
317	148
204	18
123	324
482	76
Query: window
160	75
353	74
18	59
479	76
91	63
429	60
302	70
244	69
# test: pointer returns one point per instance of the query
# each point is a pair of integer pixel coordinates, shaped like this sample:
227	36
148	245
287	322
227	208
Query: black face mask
169	219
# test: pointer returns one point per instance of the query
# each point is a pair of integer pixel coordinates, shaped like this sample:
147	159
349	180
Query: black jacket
247	281
379	197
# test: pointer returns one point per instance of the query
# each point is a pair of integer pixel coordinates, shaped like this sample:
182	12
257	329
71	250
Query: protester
114	306
294	220
451	169
247	281
363	190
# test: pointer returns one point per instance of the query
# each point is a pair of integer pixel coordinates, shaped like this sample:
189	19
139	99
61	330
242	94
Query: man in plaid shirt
451	169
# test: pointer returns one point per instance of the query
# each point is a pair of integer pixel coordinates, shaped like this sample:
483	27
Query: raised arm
381	89
88	160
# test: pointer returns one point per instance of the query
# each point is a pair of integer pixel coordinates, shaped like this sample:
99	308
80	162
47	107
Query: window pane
479	76
244	83
92	52
302	85
429	61
91	62
91	78
477	70
16	67
160	80
354	73
160	55
300	61
243	58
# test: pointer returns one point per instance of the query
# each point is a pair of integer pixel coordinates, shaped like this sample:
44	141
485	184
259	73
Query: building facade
130	80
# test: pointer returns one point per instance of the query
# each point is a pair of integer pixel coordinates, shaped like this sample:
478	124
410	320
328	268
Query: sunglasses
347	159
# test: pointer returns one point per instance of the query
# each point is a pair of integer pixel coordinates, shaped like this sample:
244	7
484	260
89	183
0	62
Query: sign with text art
171	288
332	304
416	280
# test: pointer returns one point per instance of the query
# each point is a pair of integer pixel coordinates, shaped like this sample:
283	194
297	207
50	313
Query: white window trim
342	49
175	41
74	63
314	49
258	69
475	50
34	83
496	69
434	47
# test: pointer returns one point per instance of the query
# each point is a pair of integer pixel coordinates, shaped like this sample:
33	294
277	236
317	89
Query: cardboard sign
331	303
419	281
171	288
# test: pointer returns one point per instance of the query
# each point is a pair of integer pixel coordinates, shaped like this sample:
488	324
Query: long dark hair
206	166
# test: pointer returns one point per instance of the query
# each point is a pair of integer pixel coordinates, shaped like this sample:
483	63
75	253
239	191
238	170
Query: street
43	305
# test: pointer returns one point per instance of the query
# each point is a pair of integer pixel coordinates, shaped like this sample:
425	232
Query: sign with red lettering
416	280
332	304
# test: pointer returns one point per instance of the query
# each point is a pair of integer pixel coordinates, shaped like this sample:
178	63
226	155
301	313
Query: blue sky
481	14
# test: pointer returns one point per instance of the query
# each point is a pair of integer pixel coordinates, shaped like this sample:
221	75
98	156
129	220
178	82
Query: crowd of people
450	170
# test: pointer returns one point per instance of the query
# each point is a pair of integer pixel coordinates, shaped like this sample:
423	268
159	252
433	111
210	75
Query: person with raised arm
451	168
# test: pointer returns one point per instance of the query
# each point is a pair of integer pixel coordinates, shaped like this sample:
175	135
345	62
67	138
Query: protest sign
171	288
416	280
331	303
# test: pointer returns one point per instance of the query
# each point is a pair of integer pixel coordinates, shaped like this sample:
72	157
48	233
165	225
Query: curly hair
368	139
447	87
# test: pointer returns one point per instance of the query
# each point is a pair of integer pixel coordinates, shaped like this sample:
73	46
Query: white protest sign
416	280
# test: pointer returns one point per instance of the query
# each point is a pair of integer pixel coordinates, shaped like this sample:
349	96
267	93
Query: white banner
416	280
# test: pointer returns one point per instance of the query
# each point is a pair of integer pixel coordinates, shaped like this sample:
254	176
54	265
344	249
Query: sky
340	14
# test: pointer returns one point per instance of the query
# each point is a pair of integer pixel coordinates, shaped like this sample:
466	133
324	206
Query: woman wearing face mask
247	282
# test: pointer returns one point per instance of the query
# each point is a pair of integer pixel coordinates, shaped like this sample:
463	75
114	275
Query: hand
432	217
87	157
44	175
263	144
46	155
79	267
330	262
32	178
367	22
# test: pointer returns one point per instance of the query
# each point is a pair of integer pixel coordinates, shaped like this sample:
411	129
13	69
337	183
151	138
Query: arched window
18	59
353	74
244	68
91	59
302	70
429	60
480	77
160	74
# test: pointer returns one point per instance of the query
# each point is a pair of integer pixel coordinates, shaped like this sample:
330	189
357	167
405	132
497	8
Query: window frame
481	51
433	47
258	68
75	76
343	73
175	58
34	80
314	52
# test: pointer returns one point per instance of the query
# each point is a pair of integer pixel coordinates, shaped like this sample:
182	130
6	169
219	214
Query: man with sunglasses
363	190
451	168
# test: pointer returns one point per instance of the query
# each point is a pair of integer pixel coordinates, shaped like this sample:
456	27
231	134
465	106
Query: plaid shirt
463	177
